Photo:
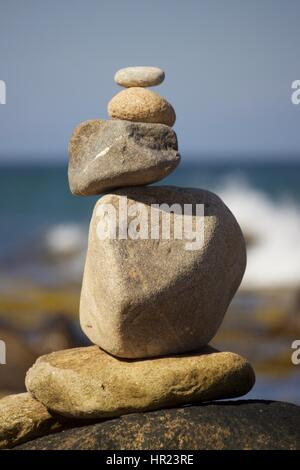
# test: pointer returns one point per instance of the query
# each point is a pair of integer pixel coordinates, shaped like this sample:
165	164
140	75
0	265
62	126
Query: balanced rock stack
151	300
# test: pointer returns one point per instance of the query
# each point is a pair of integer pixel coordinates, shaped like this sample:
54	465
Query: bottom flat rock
240	424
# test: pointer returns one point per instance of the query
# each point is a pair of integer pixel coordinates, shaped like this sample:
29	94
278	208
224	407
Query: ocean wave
273	229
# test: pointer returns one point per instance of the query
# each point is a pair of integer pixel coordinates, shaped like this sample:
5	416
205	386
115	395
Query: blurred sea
37	208
43	243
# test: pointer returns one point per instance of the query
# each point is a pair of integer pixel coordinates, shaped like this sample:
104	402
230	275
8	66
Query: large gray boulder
151	297
113	154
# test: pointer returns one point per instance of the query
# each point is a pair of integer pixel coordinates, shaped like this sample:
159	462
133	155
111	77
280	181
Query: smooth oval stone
89	383
141	105
139	76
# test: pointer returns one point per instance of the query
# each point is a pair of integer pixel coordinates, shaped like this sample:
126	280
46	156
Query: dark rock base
243	424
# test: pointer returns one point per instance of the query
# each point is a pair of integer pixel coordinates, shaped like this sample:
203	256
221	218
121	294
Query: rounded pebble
141	105
139	76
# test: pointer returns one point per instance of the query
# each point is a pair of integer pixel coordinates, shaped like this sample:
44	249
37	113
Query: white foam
274	257
64	239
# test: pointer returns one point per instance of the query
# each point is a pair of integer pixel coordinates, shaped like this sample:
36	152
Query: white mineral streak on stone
103	152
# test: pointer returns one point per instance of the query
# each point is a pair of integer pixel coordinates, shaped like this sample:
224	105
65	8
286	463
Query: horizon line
207	158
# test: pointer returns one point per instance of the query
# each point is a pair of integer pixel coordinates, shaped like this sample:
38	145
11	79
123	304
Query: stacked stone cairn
150	303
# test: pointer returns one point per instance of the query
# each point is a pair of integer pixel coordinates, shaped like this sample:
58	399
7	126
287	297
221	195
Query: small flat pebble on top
139	76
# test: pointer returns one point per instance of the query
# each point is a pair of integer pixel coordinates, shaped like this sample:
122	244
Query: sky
229	68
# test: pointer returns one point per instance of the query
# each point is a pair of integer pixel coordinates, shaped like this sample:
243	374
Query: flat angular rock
228	425
89	383
112	154
23	418
139	76
141	105
152	297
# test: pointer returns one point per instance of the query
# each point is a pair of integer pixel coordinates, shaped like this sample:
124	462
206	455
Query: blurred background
229	69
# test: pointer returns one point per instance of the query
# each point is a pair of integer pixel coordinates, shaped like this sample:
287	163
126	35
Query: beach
43	245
